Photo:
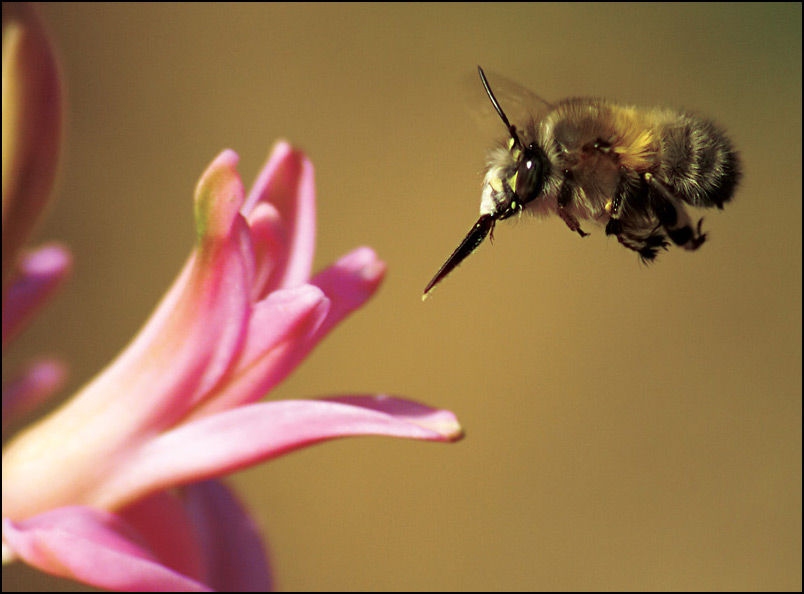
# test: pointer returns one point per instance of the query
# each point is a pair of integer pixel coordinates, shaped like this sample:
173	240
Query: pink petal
236	556
188	345
240	437
200	325
39	273
93	547
218	197
204	533
269	238
349	283
278	326
197	330
38	382
287	182
169	532
443	422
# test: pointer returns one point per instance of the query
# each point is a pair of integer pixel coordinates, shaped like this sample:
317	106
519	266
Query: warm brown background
628	428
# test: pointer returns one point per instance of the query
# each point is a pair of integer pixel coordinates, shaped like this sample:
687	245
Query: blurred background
628	428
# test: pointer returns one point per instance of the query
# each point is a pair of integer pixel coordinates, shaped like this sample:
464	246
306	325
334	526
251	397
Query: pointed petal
196	331
287	182
240	437
93	547
279	326
185	349
236	557
39	273
442	422
218	197
349	283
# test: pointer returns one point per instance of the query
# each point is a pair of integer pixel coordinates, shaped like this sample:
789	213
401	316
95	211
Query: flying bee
629	170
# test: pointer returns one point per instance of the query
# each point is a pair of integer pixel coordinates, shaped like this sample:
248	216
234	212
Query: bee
627	169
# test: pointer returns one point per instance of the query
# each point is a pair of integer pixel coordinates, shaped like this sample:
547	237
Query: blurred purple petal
38	382
164	526
32	126
236	559
39	273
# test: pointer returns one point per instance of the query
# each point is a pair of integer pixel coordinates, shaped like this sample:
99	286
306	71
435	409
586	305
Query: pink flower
178	406
117	487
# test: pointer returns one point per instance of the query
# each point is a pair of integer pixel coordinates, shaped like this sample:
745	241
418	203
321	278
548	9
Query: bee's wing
521	105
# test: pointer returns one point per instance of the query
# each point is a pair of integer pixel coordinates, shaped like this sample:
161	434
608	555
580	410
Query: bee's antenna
500	112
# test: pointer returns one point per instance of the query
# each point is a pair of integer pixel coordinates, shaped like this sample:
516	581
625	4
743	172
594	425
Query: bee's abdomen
698	162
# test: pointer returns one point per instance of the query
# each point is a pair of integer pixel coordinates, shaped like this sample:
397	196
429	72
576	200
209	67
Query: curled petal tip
442	424
365	263
218	196
281	148
446	424
350	282
440	421
359	270
298	299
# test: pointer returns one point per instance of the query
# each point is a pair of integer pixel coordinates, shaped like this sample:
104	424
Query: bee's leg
626	192
565	194
645	242
673	216
631	219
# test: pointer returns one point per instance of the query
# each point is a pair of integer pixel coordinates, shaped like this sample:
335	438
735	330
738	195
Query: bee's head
516	176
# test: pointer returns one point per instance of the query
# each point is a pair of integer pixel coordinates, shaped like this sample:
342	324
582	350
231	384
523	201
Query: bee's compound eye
531	173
